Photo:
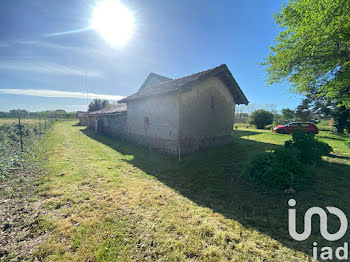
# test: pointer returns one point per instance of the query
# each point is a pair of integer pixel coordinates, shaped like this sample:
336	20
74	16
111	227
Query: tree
303	111
325	108
260	118
312	50
97	104
287	114
13	113
23	112
276	117
340	119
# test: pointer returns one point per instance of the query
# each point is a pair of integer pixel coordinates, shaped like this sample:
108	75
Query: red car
290	127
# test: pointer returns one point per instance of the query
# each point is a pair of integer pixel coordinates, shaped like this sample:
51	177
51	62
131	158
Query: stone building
83	118
176	116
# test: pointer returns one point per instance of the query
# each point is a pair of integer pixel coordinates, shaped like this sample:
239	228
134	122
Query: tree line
59	113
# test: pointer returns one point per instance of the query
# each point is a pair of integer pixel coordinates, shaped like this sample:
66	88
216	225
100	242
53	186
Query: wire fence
20	138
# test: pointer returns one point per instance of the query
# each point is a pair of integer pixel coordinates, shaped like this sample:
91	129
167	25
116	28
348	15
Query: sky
49	53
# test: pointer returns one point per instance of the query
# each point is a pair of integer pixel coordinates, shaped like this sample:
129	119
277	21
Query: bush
310	149
261	118
287	167
280	169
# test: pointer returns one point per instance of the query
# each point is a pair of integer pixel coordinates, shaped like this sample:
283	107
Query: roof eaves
201	75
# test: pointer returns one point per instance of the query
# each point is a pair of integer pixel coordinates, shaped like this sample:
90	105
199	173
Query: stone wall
192	120
207	113
83	121
114	125
92	122
154	122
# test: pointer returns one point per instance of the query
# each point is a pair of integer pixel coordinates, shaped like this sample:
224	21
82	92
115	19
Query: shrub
261	118
280	169
287	167
309	148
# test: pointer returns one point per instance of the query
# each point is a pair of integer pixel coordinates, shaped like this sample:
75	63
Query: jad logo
326	253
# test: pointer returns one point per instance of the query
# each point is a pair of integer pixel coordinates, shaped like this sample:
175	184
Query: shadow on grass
211	178
339	156
333	138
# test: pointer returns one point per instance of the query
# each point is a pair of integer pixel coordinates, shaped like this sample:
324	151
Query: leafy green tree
329	108
23	112
261	118
312	50
276	117
13	113
97	104
287	114
303	112
341	119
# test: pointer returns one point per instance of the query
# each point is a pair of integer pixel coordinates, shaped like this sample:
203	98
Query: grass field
23	120
105	200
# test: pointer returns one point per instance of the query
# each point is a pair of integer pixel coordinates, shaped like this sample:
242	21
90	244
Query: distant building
175	116
83	118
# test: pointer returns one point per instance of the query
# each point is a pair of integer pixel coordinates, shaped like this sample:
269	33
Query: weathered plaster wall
154	122
83	121
92	122
114	125
194	119
207	112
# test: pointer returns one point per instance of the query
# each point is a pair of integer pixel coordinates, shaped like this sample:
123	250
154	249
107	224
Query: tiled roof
154	76
175	85
118	108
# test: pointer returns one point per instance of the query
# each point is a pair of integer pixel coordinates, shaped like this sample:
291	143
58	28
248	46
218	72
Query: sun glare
113	21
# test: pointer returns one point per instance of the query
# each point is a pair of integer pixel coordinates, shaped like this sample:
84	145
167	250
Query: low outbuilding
175	115
83	118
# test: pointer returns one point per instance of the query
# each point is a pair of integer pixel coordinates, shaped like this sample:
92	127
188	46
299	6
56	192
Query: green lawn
105	200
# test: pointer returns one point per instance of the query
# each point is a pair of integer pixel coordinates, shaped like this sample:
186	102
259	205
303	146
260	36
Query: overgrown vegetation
286	167
19	178
11	154
280	169
307	148
10	148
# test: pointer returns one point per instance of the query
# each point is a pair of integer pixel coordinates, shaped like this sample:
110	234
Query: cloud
56	93
68	32
47	68
66	48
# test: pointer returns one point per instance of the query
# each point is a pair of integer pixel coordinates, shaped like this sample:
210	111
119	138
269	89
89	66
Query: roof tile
177	84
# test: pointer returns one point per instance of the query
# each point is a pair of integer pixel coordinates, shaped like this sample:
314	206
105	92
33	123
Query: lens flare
113	21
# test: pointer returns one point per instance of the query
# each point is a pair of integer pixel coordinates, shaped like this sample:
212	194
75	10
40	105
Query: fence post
45	124
20	131
39	125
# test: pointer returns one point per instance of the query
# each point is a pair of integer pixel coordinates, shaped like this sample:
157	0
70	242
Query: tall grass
11	155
